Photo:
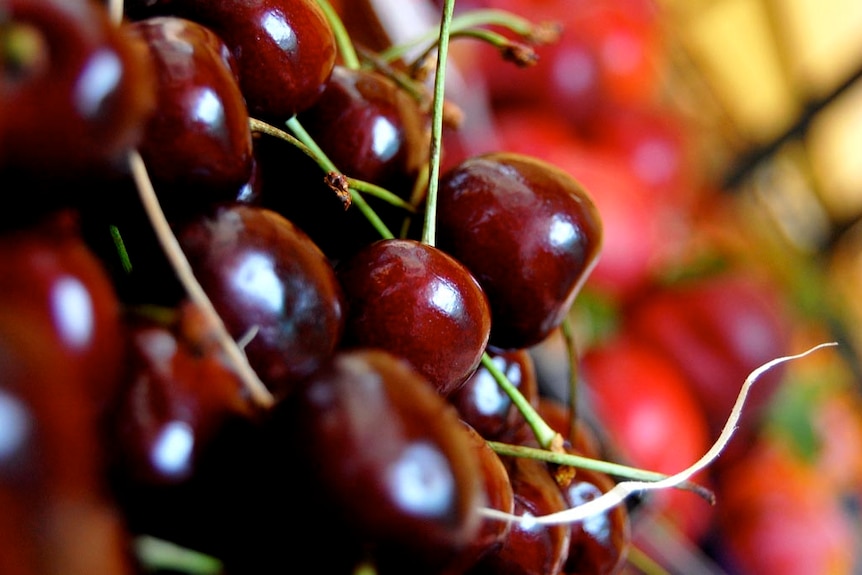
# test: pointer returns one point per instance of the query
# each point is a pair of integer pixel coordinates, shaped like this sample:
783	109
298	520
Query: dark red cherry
370	128
50	275
599	543
530	549
53	490
284	49
179	393
484	405
197	146
418	303
527	231
270	284
385	453
75	94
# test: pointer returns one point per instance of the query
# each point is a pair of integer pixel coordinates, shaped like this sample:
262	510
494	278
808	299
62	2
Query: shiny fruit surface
527	231
418	303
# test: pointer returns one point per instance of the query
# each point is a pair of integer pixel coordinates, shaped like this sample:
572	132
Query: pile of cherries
373	308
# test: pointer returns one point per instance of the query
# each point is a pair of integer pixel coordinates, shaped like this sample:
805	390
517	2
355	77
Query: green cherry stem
429	229
545	435
342	38
600	465
323	160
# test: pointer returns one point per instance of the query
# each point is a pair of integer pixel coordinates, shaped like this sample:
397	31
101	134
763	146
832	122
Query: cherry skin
527	231
53	488
419	303
599	544
197	146
178	392
49	273
537	549
284	49
370	128
75	100
377	447
483	404
269	281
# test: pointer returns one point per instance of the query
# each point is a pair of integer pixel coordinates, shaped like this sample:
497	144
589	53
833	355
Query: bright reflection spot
256	279
73	312
575	72
562	232
14	425
421	481
444	298
280	31
384	139
207	108
173	448
487	394
97	82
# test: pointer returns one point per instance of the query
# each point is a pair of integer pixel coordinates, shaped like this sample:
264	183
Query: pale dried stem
234	354
621	491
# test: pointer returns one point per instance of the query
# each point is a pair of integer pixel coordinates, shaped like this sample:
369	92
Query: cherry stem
429	229
323	160
528	30
547	437
572	358
342	37
516	52
171	246
599	465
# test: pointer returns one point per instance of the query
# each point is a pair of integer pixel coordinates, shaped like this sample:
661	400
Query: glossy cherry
483	404
53	488
527	231
197	146
419	303
76	96
49	274
284	49
270	283
536	549
381	450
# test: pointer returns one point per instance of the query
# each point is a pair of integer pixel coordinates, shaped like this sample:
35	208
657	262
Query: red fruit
197	146
383	452
641	231
483	404
609	55
77	94
530	549
418	303
53	488
268	280
652	416
777	515
716	330
49	275
528	232
284	49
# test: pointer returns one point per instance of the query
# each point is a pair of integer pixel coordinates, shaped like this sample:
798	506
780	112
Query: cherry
53	488
527	231
419	303
77	94
270	283
284	49
179	393
50	275
536	549
599	544
483	404
197	145
378	448
370	128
